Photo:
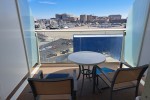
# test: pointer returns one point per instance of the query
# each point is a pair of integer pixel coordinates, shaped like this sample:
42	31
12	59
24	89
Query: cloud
47	2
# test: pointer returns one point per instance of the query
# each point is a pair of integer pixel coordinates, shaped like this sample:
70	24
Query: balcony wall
13	64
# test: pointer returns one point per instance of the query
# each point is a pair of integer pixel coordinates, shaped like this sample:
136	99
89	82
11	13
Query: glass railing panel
109	45
55	45
27	25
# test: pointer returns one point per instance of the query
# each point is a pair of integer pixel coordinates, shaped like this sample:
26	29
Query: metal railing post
38	51
123	46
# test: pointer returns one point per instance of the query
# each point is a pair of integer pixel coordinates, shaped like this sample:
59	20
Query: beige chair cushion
124	85
117	86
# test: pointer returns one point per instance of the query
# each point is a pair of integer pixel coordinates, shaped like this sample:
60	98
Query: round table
86	58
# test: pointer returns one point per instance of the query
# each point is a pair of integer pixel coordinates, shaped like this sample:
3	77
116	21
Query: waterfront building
58	16
65	17
103	19
89	18
94	18
114	17
118	21
83	18
73	19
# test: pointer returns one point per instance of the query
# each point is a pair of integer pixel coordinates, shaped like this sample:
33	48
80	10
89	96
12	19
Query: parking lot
55	49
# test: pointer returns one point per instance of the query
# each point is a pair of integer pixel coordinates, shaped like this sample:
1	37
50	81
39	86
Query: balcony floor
87	88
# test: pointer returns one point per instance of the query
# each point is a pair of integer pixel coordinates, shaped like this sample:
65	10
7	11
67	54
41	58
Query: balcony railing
56	45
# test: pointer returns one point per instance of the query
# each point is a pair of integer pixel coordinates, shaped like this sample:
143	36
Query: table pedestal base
85	72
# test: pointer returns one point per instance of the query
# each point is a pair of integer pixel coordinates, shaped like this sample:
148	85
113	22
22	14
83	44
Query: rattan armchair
122	78
55	88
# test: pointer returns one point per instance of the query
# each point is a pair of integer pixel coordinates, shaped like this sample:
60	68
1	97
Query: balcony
54	58
23	54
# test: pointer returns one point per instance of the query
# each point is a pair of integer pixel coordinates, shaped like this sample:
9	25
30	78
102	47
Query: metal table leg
82	71
79	72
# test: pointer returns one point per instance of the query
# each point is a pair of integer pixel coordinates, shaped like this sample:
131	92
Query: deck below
86	93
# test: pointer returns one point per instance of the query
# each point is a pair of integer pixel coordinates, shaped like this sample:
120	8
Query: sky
48	8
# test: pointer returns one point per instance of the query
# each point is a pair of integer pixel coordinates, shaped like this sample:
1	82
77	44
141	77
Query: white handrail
79	30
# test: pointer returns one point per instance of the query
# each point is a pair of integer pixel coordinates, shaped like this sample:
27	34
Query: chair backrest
51	86
129	74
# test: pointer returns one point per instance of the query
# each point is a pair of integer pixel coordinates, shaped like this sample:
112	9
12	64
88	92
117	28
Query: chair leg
82	84
97	81
89	71
74	95
36	98
83	79
136	91
79	72
94	83
94	78
86	74
111	93
137	87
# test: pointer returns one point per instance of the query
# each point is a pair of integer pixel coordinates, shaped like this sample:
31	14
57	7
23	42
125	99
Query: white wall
145	94
13	65
136	24
145	53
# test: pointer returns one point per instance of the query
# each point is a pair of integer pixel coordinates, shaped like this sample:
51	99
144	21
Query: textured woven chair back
42	87
129	74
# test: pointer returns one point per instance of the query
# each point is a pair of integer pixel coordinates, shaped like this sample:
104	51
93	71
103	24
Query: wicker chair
122	78
55	88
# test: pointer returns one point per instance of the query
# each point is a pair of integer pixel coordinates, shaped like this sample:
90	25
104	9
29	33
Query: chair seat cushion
124	85
104	69
54	76
117	86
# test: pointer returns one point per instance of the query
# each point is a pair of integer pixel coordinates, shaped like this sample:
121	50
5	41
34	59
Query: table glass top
87	57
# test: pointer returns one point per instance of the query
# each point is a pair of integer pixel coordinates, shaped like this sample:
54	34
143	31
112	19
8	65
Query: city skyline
72	15
45	9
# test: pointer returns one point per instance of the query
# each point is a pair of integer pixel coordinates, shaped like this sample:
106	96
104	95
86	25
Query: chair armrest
105	74
124	63
39	75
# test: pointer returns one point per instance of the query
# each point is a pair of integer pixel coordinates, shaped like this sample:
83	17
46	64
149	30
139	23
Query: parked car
64	51
50	54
